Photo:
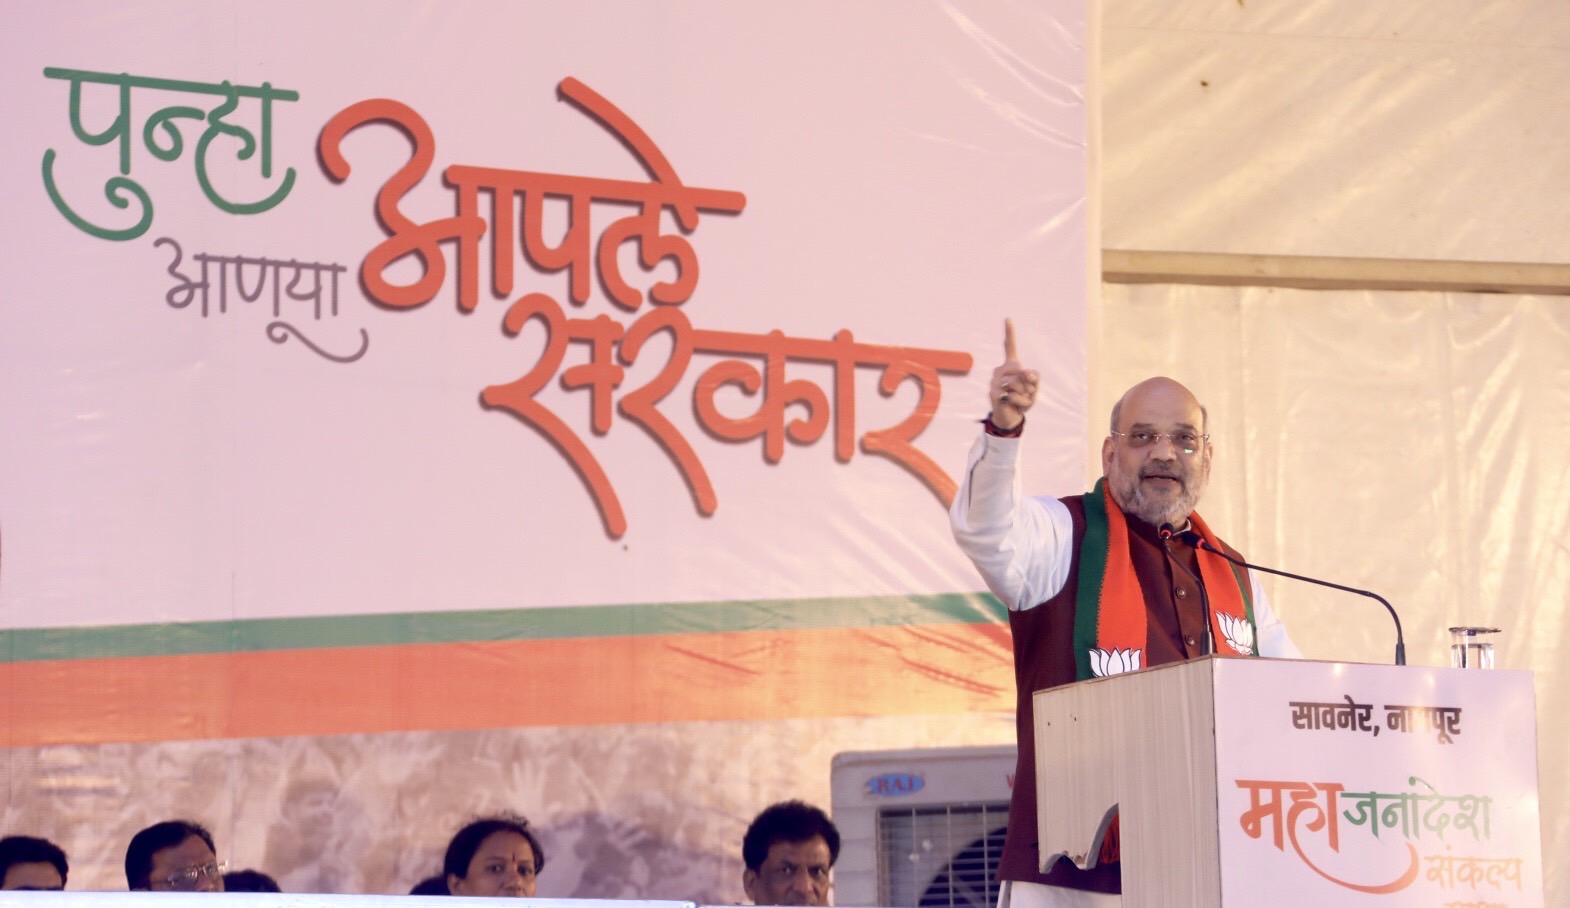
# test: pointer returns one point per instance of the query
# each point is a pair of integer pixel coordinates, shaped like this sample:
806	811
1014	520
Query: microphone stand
1197	541
1206	642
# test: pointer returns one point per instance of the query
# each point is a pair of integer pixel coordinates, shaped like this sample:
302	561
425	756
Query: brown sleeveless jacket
1044	657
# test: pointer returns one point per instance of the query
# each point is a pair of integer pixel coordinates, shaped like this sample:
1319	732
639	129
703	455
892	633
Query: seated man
173	856
788	850
29	863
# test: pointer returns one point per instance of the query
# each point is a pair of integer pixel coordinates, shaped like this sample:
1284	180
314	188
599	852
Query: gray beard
1156	513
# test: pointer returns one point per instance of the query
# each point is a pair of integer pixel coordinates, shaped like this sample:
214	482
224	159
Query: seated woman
497	855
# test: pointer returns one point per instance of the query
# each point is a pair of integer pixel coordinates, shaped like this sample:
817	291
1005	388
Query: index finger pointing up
1009	353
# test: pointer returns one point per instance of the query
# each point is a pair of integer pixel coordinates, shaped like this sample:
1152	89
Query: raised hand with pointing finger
1013	387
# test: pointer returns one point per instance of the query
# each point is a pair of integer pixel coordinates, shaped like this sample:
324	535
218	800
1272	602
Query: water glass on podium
1472	647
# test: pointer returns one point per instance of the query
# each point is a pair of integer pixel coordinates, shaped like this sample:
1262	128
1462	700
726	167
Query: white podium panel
296	900
1244	782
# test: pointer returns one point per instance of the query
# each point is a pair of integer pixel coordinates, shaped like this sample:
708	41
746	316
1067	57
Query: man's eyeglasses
191	877
1187	442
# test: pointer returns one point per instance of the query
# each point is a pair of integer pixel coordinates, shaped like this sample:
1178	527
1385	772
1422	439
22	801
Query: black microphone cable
1206	641
1197	541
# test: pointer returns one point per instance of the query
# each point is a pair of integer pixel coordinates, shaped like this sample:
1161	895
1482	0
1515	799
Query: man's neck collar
1150	529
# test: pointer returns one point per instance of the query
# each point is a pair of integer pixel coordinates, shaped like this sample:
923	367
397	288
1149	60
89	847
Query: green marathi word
161	136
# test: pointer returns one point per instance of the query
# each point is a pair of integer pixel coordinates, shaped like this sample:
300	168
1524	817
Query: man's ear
1106	455
749	880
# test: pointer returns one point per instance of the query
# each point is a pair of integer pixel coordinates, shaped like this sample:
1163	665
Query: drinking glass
1472	647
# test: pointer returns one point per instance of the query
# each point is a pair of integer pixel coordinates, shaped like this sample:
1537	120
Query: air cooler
920	828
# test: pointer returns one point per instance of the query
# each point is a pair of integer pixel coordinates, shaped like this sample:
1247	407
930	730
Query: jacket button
1182	593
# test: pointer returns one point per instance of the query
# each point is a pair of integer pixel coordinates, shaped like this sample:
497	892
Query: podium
1248	782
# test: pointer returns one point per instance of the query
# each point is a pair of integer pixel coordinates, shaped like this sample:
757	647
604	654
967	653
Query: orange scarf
1110	615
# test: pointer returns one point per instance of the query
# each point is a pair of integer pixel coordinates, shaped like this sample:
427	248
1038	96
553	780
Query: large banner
412	368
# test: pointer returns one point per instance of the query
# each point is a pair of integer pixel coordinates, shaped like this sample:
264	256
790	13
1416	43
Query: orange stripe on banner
577	681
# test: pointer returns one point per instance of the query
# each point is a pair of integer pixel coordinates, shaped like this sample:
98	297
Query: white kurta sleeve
1273	640
1021	546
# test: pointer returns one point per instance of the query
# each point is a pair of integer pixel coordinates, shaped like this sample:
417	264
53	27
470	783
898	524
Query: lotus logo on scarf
1239	634
1105	663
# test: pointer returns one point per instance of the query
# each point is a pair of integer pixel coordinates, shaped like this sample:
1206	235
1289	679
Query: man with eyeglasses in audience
1099	584
174	856
28	863
789	849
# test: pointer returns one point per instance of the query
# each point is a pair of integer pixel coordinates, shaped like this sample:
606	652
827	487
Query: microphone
1192	538
1206	646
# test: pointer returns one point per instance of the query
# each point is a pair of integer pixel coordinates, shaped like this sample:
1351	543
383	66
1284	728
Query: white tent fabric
1415	444
1412	443
1431	130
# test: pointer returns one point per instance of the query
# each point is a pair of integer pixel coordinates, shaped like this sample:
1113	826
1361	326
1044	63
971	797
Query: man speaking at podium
1098	584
